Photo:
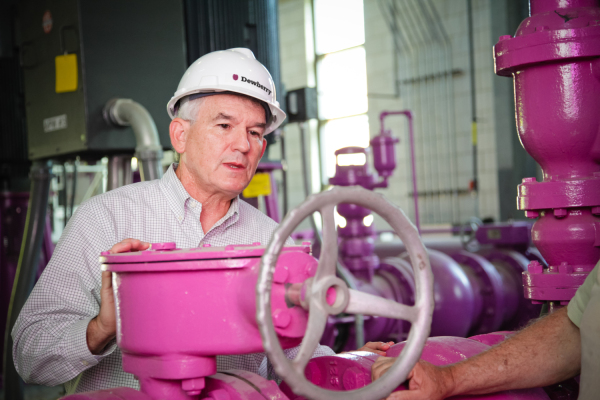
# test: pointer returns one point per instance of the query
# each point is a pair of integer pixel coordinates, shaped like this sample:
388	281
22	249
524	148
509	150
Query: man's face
225	143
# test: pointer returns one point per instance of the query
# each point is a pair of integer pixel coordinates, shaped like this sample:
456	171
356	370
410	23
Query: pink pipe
411	138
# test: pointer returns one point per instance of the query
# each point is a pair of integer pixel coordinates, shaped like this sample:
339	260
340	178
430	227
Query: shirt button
180	218
85	363
193	205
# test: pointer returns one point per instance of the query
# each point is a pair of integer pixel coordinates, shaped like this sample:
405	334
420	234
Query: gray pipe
27	267
119	171
148	150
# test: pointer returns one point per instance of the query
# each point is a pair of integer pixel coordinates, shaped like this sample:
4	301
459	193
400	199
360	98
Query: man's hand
425	381
103	328
376	347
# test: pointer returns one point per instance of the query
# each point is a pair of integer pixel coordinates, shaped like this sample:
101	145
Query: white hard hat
234	70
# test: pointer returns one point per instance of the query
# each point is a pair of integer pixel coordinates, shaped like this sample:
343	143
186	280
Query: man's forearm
547	352
96	337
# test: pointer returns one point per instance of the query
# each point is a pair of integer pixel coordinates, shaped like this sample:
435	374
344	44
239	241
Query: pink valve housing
179	308
352	370
554	60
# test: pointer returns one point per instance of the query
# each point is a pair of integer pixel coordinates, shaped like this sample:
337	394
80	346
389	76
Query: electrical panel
76	55
302	104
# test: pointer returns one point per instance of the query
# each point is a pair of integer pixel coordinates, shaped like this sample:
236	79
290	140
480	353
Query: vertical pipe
449	96
271	201
411	140
473	103
73	189
414	37
115	172
411	137
284	180
433	99
63	194
41	174
406	49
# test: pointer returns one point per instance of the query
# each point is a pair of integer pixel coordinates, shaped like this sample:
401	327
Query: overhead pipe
148	150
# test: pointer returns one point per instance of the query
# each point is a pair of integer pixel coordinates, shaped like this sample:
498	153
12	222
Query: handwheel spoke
368	304
329	247
317	319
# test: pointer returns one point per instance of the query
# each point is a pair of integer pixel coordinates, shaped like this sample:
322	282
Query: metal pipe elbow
126	112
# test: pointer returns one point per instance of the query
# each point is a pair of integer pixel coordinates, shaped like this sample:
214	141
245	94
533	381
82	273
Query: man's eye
224	126
254	133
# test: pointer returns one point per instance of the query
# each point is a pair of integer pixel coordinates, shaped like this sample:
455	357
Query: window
343	132
339	25
341	77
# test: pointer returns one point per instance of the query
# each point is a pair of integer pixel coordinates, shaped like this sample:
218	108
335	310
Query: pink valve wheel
315	294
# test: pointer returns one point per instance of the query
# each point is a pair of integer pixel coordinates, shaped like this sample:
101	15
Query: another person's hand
377	347
103	328
425	382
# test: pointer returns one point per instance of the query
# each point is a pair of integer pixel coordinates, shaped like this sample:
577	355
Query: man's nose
240	140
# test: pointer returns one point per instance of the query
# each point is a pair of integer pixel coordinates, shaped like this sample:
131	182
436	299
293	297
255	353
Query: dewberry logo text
255	83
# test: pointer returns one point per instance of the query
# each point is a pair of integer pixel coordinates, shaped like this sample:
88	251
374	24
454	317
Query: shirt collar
175	192
177	197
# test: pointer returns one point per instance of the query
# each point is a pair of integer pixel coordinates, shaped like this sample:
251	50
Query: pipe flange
493	294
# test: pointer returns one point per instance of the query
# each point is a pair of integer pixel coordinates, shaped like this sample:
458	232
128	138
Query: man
546	352
224	105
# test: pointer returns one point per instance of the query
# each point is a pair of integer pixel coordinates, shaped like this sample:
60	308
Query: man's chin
234	189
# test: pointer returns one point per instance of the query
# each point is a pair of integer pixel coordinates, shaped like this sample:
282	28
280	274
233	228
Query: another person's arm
544	353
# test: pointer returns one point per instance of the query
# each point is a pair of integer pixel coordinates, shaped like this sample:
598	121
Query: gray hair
189	109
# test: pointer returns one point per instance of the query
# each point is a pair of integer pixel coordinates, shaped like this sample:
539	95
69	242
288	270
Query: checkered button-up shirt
50	345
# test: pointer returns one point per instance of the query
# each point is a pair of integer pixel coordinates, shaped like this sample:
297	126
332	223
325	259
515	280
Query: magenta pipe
411	139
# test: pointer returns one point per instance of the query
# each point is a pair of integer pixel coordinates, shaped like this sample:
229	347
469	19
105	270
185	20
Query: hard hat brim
277	114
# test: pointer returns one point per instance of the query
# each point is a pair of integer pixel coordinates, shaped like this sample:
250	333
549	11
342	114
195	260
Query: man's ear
178	130
264	147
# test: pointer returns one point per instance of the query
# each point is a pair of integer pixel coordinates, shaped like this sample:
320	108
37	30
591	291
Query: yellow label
474	133
66	73
260	185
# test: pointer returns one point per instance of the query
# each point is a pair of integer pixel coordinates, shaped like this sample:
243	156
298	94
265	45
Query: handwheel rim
419	330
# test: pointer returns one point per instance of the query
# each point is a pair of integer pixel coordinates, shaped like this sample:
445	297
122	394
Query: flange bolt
532	214
565	268
535	267
560	212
